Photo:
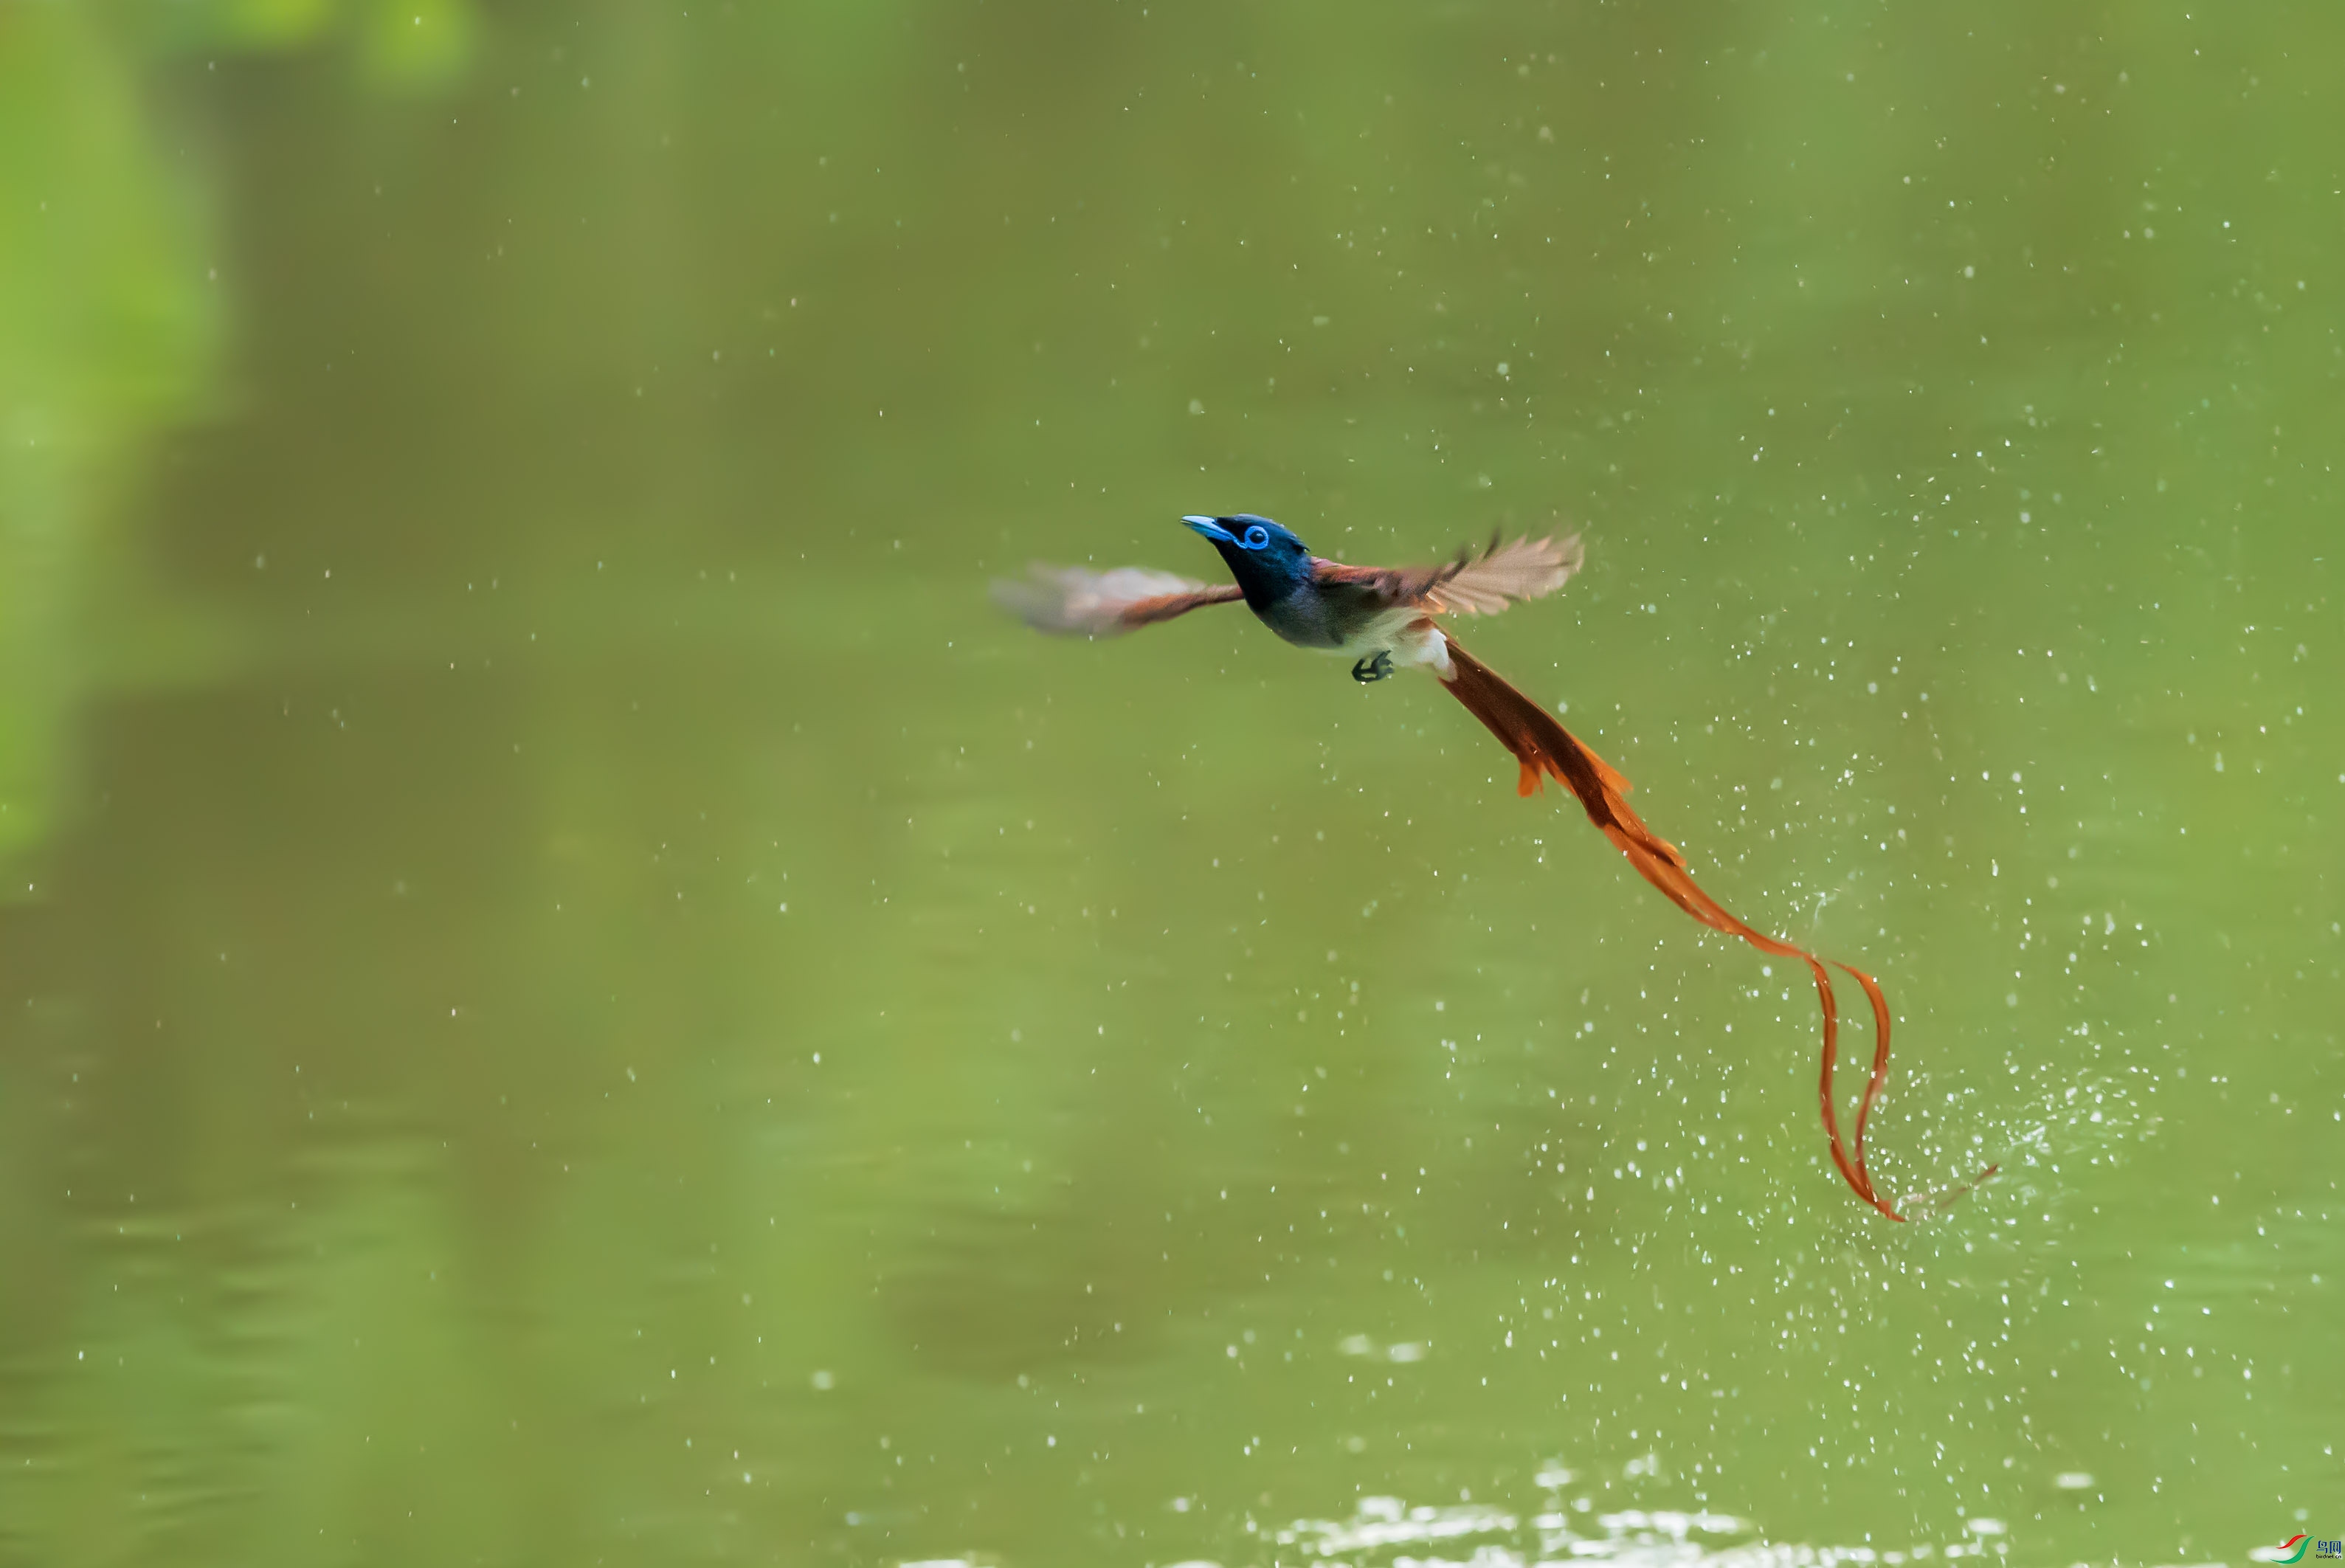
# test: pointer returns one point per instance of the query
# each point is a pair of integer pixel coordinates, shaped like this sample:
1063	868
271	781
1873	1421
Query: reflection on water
578	994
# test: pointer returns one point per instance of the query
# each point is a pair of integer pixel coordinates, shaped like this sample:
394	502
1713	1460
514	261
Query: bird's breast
1338	618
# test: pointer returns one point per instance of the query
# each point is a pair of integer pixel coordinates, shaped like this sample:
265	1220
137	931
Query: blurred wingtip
1039	598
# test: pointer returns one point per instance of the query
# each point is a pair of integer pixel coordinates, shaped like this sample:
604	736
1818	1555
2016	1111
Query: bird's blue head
1268	562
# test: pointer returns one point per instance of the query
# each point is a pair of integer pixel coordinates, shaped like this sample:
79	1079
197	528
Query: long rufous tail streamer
1544	747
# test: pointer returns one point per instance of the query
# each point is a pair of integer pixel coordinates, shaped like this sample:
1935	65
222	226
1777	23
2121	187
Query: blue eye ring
1257	537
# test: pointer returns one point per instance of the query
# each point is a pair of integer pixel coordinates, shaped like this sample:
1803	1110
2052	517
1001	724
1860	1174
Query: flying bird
1386	619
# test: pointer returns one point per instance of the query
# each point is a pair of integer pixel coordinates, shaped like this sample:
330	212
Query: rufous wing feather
1471	584
1526	569
1075	602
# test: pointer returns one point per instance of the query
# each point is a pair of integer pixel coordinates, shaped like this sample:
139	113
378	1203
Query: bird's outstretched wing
1073	601
1471	584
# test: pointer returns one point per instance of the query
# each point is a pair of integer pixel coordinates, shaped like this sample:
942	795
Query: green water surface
573	994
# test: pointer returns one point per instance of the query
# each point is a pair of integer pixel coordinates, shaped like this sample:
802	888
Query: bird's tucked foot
1368	670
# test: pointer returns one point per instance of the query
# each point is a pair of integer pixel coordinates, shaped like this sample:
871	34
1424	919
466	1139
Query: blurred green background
573	994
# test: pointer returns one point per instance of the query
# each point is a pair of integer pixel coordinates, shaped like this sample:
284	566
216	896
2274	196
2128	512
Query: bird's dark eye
1257	537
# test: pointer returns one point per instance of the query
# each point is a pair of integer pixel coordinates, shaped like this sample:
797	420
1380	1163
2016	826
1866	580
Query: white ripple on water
1386	1533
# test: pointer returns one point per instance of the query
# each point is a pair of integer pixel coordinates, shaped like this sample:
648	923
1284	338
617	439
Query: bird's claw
1367	671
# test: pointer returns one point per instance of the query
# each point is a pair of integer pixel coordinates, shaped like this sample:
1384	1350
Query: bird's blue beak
1211	530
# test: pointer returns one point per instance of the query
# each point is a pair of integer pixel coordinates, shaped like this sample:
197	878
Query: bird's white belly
1407	633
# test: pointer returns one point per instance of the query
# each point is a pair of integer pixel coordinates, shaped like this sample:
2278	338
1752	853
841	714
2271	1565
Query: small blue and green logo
2291	1550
